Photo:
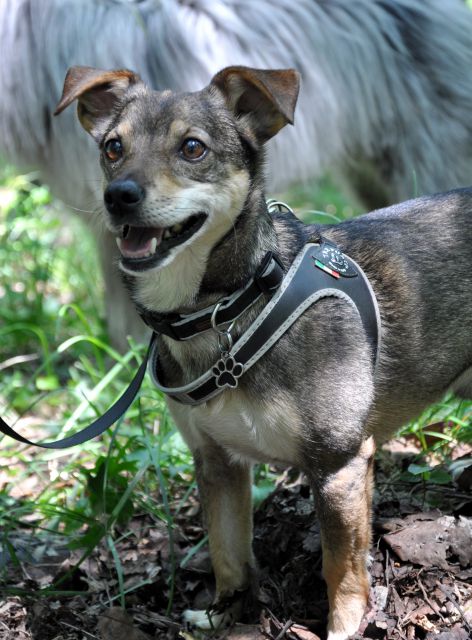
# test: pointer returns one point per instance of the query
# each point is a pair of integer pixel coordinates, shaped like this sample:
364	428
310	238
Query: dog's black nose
123	196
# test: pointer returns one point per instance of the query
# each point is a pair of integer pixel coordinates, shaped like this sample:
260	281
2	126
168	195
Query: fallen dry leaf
116	624
245	632
430	542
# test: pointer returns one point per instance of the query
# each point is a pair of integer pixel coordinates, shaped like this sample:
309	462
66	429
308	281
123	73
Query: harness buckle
269	279
159	325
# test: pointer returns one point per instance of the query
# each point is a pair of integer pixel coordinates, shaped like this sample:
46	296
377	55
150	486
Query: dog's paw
344	622
343	635
208	620
220	615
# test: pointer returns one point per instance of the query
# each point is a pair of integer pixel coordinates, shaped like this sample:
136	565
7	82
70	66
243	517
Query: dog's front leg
344	506
225	493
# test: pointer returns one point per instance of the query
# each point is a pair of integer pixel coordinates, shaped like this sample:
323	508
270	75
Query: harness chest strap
309	279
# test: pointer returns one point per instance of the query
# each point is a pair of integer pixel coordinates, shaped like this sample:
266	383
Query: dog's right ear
98	92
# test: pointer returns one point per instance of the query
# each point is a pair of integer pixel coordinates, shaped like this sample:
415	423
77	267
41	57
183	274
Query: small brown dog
185	199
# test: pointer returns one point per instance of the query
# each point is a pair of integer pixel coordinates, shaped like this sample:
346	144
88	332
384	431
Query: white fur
247	428
201	619
175	282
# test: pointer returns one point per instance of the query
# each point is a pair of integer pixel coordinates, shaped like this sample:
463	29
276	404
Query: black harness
320	270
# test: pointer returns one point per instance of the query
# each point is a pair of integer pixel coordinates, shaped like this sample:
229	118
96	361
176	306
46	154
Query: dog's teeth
153	246
173	231
118	242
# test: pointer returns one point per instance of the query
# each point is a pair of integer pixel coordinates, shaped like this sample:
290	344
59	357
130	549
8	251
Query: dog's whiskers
80	210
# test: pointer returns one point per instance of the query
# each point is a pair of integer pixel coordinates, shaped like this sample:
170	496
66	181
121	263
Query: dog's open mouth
142	248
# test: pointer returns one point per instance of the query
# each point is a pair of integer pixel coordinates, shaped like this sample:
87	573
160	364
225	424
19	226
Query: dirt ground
421	571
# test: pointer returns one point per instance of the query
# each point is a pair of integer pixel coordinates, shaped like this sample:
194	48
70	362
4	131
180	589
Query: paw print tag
227	372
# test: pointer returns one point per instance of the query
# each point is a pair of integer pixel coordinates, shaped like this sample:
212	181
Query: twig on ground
452	599
85	634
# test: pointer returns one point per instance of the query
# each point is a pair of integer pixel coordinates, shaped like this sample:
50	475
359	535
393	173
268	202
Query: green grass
56	364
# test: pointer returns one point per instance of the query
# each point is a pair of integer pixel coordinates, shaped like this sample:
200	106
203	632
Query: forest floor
421	570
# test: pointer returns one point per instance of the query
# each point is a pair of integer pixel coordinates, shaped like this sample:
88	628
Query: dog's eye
113	149
193	149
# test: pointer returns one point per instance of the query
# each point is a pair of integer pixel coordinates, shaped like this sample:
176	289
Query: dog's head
178	166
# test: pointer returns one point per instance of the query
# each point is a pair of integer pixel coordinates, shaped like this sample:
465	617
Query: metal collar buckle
225	339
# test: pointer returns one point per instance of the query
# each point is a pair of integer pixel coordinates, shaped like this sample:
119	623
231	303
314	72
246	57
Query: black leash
319	270
265	281
99	425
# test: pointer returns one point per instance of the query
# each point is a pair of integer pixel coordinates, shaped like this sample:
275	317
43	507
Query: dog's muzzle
143	246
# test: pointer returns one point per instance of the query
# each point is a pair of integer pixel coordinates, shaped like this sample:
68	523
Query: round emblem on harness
333	258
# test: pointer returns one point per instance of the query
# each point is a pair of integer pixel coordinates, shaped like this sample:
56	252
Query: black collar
265	281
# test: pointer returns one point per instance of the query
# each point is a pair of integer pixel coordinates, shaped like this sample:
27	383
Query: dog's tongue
138	241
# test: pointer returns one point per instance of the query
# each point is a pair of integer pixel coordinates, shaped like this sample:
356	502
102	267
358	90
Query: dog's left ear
98	92
266	97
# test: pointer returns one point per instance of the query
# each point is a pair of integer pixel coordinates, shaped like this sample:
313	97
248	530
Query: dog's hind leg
344	501
225	493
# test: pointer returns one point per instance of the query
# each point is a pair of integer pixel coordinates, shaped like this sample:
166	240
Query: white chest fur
248	429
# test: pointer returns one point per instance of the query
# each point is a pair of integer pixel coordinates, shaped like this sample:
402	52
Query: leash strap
266	280
100	424
319	271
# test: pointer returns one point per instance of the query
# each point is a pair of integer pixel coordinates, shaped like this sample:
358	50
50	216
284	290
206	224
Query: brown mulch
421	572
